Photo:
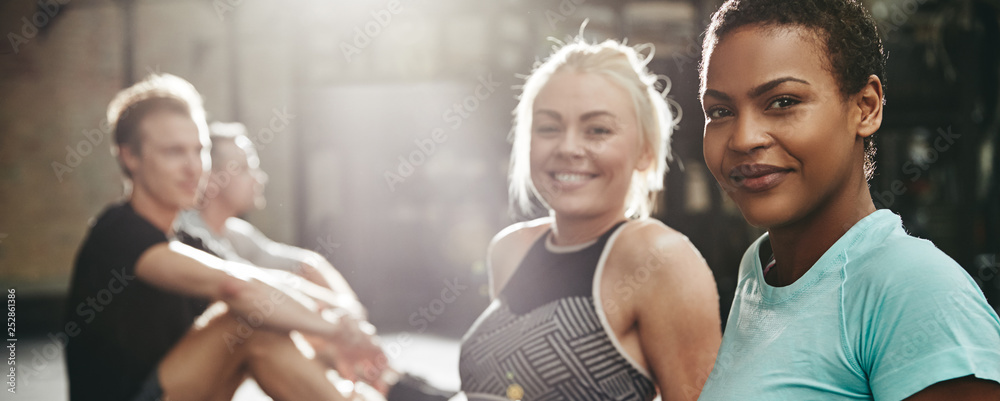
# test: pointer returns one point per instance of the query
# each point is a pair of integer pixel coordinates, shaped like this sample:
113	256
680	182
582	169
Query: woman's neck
578	230
798	245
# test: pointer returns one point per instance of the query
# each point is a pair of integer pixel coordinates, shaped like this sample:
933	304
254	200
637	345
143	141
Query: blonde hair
623	65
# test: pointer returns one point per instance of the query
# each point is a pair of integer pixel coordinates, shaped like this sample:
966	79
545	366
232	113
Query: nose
750	135
571	143
194	162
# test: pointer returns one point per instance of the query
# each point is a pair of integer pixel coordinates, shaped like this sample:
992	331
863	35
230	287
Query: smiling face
172	159
780	138
584	145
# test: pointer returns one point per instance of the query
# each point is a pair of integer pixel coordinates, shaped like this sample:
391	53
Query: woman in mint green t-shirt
836	301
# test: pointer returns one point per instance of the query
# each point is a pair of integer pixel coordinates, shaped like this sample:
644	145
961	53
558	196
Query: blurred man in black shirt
137	293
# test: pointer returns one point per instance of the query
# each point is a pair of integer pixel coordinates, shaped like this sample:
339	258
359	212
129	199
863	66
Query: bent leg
284	373
212	360
201	366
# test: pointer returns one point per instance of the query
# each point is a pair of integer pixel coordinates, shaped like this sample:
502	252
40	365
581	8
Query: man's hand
354	352
311	273
318	271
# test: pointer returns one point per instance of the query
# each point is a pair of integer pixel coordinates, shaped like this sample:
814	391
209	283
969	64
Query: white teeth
565	177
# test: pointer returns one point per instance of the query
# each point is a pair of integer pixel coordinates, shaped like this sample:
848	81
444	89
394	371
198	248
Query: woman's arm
967	388
676	309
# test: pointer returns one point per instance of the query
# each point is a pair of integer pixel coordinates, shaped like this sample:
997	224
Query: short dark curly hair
853	45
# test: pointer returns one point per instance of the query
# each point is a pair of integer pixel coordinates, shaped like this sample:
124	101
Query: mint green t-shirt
881	315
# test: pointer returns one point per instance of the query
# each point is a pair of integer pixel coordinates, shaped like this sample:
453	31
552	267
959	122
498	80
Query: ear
869	103
130	157
645	159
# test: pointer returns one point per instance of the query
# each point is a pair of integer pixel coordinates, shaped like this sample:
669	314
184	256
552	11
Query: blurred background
348	103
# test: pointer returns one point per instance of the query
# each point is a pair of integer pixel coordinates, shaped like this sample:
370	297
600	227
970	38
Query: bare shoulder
650	237
509	246
650	244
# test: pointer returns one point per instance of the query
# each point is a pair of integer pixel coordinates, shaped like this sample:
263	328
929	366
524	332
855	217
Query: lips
565	180
189	186
757	177
571	177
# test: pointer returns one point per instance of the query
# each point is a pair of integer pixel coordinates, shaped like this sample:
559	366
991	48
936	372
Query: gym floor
433	358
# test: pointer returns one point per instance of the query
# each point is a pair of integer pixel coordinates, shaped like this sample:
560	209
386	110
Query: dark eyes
598	130
546	129
182	151
549	129
781	103
718	112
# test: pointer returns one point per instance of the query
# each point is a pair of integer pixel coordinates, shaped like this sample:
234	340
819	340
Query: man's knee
239	335
265	343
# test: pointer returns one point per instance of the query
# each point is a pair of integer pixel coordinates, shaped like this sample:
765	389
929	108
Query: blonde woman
596	301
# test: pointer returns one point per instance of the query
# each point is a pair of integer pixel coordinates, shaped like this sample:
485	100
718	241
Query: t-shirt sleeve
131	235
930	324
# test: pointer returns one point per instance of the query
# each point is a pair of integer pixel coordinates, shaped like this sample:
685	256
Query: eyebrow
757	90
597	113
549	113
718	95
584	117
767	86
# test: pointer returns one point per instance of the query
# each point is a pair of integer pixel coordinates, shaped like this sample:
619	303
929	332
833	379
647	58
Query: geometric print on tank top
559	351
551	348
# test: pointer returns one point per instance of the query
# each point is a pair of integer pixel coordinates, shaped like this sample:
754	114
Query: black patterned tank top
546	338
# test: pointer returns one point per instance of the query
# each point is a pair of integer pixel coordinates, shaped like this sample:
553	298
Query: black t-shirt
119	327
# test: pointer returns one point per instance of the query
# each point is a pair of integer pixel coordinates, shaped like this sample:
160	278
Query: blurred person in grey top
236	187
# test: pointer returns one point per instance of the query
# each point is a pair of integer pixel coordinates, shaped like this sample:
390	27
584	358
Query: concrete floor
43	373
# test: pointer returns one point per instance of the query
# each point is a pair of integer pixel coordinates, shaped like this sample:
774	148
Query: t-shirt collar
859	238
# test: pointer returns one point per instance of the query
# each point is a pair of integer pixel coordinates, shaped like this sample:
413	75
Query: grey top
244	243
